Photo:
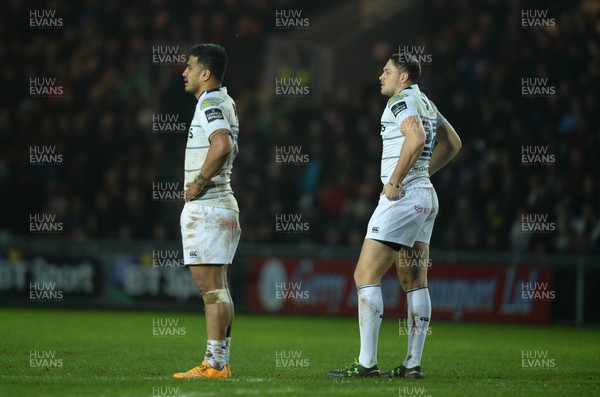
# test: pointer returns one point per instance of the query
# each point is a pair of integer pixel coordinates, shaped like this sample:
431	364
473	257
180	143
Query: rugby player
209	220
417	142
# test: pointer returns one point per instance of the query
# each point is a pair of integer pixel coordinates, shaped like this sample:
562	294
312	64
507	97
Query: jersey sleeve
212	116
402	106
440	120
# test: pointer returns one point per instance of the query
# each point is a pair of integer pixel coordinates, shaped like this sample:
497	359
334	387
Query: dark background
480	52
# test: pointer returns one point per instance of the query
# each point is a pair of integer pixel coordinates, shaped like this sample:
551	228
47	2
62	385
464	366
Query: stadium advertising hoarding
470	292
37	279
150	278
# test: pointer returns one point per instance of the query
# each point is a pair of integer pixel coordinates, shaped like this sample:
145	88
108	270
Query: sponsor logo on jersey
397	108
213	114
425	210
396	97
211	102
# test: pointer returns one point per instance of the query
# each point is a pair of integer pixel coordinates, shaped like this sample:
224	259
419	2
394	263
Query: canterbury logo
424	318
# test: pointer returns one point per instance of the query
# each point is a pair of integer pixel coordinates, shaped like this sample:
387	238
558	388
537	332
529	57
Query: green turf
115	354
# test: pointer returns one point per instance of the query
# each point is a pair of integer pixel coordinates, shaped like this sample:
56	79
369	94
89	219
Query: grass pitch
105	353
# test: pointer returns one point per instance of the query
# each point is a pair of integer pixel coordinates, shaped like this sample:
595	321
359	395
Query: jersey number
428	148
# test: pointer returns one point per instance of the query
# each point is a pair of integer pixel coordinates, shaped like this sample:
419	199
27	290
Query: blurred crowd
106	184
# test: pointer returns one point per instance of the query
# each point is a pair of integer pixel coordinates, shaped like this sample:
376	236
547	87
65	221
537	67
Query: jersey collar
212	90
410	87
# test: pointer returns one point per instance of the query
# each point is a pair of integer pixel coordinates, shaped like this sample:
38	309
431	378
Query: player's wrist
398	185
200	179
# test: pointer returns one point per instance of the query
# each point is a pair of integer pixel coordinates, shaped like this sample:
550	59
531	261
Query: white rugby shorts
406	220
210	234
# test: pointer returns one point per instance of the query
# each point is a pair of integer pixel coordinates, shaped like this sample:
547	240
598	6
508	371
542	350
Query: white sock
370	313
228	347
409	327
421	313
215	353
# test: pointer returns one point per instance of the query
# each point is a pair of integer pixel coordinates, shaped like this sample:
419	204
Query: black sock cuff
415	289
368	286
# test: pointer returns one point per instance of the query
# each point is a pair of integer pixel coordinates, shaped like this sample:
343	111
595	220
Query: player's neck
404	86
207	87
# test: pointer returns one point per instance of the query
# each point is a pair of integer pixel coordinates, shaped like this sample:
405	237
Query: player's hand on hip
192	190
392	193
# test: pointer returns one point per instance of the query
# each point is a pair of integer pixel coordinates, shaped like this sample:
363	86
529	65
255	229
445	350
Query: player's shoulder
396	98
401	97
213	98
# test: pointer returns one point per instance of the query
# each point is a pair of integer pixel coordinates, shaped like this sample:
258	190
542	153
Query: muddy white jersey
215	110
408	102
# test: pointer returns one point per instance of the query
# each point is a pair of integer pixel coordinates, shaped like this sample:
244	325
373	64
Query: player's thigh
208	277
375	259
412	265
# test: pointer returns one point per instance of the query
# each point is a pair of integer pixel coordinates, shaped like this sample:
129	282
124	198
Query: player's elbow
222	144
456	144
225	149
420	140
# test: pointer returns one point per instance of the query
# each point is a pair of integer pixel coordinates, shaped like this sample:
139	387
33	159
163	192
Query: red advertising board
469	292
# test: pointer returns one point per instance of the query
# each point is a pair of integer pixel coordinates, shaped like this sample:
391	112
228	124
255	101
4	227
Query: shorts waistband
417	183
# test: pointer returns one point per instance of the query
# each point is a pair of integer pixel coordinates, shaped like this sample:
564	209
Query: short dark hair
213	57
408	63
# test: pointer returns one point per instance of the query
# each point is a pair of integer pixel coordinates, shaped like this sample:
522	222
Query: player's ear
205	75
403	77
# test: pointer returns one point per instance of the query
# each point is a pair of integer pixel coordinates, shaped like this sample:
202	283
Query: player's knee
220	295
419	282
359	276
365	276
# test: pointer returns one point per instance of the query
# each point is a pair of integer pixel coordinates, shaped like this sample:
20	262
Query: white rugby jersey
408	102
215	110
